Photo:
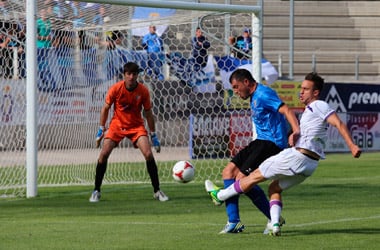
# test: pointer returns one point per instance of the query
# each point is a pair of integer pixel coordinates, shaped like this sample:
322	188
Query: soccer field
337	208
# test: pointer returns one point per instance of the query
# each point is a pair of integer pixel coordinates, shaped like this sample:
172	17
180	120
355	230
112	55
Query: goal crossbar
184	5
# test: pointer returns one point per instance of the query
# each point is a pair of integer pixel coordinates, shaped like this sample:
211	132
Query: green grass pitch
337	208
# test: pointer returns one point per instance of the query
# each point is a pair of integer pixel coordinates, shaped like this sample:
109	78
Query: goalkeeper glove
155	142
100	135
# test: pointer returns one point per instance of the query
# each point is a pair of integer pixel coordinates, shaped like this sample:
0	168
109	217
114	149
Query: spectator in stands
8	42
98	21
88	58
115	47
155	48
200	44
4	53
44	31
20	30
242	44
63	44
44	38
113	62
61	9
48	6
77	15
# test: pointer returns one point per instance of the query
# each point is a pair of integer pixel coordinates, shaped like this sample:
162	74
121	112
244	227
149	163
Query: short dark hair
316	79
131	67
241	75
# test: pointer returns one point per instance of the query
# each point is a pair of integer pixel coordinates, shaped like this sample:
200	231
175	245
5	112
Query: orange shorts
116	133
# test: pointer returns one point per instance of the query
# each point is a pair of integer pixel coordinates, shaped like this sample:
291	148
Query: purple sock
275	202
237	187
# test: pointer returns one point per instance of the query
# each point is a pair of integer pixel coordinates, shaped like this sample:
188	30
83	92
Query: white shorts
290	167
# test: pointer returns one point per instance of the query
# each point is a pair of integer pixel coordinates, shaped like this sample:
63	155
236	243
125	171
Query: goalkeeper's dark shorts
250	157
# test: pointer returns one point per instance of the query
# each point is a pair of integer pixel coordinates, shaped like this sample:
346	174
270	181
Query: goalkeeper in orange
129	99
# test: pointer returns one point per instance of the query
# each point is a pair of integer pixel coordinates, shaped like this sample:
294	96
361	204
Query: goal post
31	102
50	115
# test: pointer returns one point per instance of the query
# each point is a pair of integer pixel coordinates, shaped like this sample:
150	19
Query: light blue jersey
270	125
153	43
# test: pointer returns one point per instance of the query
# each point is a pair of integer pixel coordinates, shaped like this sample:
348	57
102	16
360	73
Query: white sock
275	211
225	194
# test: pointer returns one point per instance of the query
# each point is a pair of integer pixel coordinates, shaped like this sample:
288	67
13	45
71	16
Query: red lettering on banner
240	132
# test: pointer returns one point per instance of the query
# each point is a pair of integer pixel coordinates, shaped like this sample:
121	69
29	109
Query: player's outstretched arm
334	120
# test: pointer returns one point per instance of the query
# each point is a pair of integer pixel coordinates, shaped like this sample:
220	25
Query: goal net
81	48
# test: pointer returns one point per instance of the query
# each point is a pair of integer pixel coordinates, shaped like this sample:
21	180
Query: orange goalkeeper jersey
128	105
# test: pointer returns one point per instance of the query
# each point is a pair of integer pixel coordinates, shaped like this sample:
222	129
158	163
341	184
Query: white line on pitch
335	221
287	225
217	224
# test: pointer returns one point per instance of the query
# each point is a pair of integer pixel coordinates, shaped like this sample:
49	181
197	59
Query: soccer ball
183	172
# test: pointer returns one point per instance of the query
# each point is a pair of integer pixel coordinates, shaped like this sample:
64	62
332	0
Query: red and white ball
183	171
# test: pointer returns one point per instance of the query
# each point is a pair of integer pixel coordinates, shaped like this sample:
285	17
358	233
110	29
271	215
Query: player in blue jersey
269	138
293	165
154	46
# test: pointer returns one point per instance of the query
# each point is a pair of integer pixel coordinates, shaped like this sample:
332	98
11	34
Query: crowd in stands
242	44
53	31
59	32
